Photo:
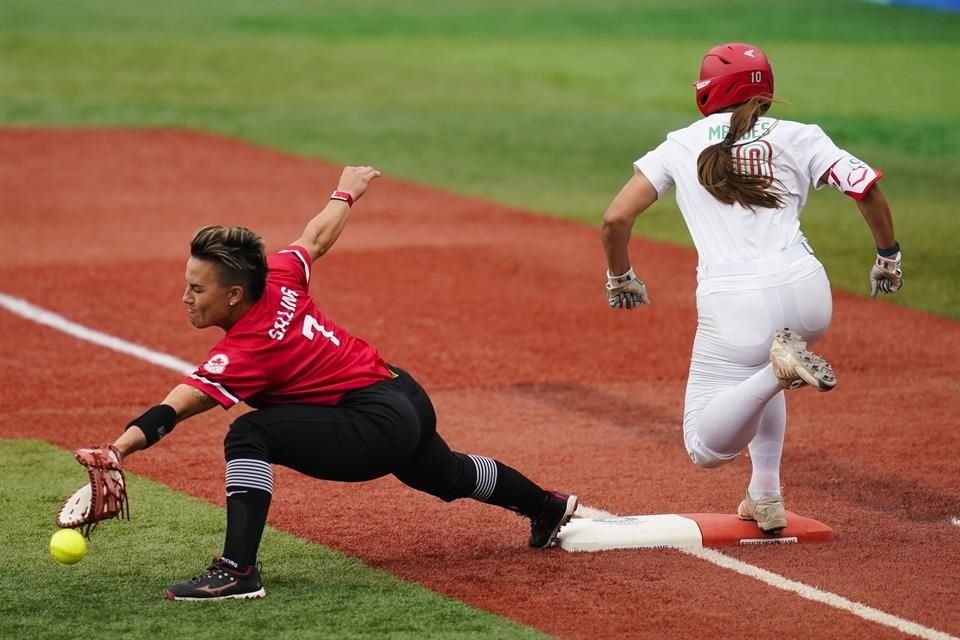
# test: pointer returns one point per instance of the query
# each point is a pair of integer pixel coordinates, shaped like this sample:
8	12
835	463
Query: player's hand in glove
105	496
886	276
625	291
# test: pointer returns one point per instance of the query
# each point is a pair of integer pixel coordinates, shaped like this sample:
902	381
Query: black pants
386	428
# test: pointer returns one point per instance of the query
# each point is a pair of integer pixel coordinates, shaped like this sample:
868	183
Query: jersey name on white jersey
791	157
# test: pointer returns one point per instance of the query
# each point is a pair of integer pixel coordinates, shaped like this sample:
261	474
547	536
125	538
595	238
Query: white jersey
794	155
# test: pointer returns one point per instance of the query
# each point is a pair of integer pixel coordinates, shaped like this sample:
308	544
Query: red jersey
284	351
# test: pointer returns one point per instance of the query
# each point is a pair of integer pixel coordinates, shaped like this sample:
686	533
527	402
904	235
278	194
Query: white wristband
616	281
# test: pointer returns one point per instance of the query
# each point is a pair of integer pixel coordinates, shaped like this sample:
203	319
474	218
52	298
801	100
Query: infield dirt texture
501	315
124	126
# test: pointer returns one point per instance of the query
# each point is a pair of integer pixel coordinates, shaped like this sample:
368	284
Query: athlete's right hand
355	180
886	275
626	291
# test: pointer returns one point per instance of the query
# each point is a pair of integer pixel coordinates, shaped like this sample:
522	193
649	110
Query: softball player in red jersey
327	404
741	180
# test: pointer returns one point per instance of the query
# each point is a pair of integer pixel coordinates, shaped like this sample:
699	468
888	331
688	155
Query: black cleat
558	508
222	581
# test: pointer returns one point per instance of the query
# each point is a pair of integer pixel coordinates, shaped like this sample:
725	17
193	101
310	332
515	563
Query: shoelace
213	568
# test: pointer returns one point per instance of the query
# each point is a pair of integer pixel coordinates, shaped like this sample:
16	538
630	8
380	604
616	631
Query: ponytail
718	171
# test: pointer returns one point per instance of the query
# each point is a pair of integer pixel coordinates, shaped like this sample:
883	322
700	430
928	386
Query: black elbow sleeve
156	422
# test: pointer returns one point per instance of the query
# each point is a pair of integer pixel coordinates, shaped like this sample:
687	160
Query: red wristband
344	196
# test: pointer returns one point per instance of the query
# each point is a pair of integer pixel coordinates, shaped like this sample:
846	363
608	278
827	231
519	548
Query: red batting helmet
730	74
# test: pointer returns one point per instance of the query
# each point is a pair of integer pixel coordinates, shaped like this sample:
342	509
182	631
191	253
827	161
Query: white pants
733	398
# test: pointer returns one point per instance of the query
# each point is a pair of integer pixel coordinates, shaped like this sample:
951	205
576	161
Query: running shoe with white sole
221	581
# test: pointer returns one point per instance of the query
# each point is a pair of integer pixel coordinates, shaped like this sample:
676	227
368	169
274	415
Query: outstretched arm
324	229
105	495
624	291
181	403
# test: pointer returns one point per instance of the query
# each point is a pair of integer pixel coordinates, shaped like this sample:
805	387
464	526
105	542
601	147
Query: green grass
117	590
540	104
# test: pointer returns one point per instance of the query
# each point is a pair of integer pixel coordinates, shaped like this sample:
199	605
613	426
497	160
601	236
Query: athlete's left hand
104	496
355	180
886	275
626	291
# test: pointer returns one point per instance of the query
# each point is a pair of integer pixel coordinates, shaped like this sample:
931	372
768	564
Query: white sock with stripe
247	473
486	477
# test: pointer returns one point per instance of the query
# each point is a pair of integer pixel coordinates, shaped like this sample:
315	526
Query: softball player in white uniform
741	181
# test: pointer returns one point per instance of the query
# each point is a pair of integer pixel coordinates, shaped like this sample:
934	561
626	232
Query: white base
630	532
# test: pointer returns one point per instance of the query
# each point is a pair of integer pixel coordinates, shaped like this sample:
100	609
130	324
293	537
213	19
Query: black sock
516	492
246	516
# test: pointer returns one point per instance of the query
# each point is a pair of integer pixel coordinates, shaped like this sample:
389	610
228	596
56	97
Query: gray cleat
794	366
768	512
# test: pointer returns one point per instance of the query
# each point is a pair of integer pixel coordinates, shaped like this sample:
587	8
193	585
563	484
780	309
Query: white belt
769	264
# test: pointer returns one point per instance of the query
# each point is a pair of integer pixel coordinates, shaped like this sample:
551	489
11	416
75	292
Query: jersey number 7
311	326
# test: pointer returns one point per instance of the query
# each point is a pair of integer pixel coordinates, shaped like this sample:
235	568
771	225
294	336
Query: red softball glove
105	496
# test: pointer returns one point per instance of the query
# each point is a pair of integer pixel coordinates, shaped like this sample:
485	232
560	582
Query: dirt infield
501	314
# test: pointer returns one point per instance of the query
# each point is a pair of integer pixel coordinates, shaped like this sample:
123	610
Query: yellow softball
68	546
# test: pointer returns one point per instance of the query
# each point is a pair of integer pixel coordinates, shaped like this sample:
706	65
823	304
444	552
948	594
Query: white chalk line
818	595
24	309
785	584
31	312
